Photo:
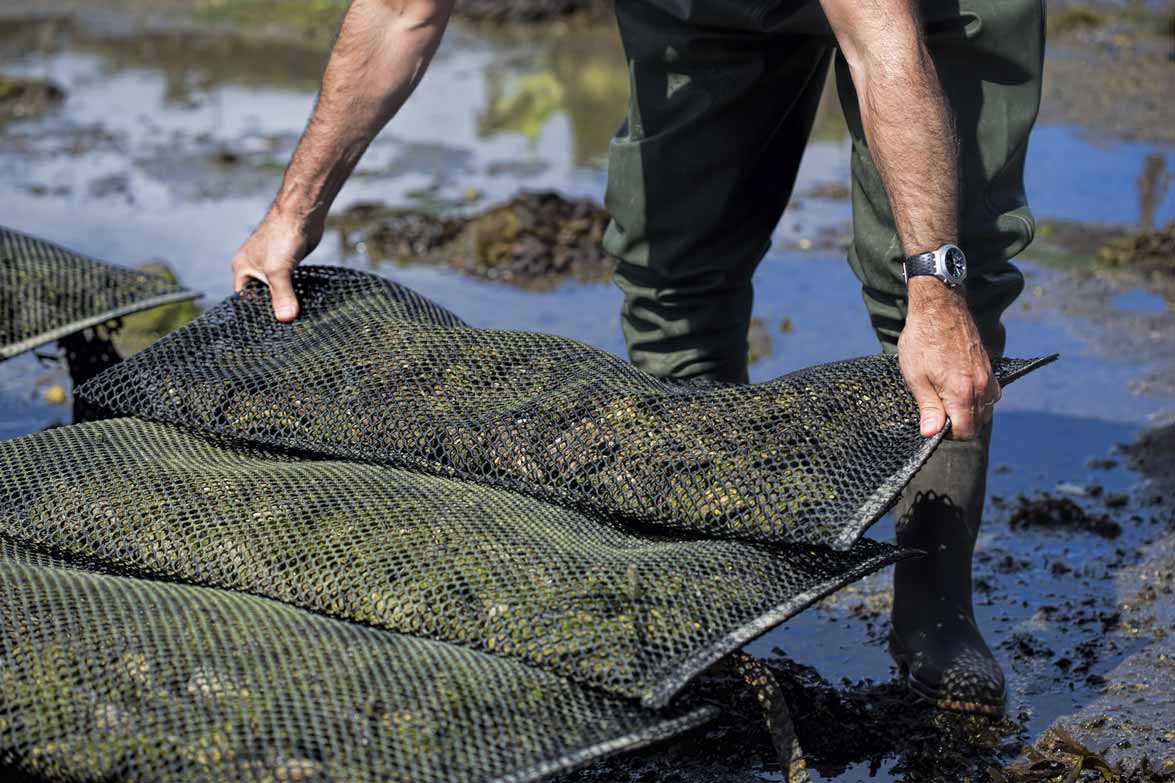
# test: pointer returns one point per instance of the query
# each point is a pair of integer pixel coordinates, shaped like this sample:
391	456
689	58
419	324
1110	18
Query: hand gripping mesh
628	612
106	677
371	371
48	292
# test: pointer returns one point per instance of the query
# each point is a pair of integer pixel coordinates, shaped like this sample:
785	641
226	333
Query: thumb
285	301
932	412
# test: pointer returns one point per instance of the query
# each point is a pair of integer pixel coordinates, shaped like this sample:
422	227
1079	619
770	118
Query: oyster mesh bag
48	292
372	371
629	612
380	544
106	677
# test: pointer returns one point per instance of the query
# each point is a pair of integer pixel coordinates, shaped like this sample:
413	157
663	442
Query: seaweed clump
24	98
1058	756
535	240
1149	250
1047	511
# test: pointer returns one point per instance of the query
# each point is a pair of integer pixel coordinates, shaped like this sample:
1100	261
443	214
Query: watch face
956	263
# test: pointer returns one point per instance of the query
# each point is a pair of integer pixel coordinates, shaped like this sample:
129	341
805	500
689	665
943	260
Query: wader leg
698	177
934	638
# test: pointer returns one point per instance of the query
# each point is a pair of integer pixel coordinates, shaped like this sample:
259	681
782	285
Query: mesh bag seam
15	349
149	386
662	672
677	678
19	250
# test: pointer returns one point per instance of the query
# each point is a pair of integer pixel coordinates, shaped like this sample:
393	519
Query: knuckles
962	389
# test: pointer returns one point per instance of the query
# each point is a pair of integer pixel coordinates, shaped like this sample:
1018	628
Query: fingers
964	415
971	403
932	411
947	368
278	277
281	290
243	272
986	398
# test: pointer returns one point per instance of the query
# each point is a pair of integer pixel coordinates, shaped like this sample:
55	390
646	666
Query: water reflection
578	73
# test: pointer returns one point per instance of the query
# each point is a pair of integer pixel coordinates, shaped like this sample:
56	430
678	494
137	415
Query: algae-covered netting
628	612
106	677
48	292
372	371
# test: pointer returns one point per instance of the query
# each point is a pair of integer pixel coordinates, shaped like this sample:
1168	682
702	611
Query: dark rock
1047	511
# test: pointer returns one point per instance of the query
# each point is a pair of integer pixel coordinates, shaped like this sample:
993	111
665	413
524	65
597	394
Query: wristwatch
947	263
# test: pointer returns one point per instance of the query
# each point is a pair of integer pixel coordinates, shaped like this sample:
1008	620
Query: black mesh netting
106	677
629	612
372	371
48	292
334	554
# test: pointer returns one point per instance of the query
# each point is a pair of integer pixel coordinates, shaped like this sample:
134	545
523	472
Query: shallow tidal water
170	145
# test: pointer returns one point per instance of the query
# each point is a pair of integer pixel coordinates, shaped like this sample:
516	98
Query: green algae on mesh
151	681
371	373
48	292
417	554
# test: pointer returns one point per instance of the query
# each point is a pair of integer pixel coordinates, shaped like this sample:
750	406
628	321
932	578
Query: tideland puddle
136	132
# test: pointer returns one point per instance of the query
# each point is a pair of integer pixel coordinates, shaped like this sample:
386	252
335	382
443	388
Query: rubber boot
933	637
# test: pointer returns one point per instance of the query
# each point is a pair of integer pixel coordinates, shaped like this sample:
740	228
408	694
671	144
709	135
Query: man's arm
911	134
381	54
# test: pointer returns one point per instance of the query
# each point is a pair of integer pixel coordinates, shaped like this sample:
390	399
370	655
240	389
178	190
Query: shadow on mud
863	727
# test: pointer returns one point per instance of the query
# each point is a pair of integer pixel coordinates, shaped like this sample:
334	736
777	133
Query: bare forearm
908	124
910	130
912	138
381	54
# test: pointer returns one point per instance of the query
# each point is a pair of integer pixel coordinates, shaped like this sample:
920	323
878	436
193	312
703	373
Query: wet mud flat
1100	628
1109	68
1130	717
